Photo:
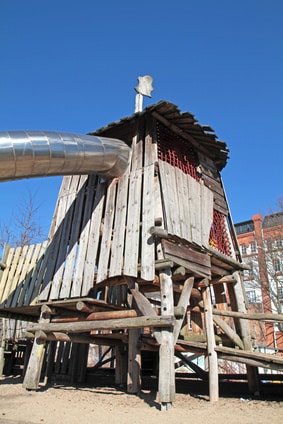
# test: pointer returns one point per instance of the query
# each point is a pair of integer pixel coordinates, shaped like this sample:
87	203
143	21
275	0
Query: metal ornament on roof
144	88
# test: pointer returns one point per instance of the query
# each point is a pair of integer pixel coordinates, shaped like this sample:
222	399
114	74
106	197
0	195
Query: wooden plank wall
20	275
188	205
97	228
212	180
14	329
100	229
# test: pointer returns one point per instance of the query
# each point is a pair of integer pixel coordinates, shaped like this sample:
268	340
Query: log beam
113	324
183	302
98	316
143	305
230	333
68	338
251	316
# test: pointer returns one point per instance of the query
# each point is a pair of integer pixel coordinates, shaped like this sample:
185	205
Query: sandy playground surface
86	404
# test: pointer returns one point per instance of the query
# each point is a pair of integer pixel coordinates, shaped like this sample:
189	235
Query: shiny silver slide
27	154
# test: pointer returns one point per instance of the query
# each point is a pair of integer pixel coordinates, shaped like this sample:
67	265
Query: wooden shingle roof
184	124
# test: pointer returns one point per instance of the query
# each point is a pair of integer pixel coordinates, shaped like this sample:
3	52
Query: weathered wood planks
134	207
198	263
106	240
91	253
117	251
22	267
99	230
188	205
148	212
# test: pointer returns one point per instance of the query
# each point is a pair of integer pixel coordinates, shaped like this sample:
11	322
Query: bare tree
25	228
265	288
272	290
280	203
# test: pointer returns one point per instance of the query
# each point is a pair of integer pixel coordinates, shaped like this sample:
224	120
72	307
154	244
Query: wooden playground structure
147	261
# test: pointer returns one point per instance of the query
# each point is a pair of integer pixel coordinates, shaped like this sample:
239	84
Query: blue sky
72	65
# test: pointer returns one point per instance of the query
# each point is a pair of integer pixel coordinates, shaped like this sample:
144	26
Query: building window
251	270
251	295
244	249
279	242
269	244
280	293
253	247
244	227
246	273
277	265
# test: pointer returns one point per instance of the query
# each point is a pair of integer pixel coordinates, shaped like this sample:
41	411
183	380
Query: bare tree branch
26	228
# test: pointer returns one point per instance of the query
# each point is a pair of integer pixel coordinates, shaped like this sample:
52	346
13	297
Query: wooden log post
70	361
211	353
121	366
33	372
134	362
50	361
238	303
2	348
166	383
134	354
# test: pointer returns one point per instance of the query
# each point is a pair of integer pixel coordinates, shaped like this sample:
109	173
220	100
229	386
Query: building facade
261	246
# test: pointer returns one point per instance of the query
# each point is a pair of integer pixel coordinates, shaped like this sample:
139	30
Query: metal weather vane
144	88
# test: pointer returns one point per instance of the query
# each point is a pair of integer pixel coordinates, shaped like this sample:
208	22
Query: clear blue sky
72	65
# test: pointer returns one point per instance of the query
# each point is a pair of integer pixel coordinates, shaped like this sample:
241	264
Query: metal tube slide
27	154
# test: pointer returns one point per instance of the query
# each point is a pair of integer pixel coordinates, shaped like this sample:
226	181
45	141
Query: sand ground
85	404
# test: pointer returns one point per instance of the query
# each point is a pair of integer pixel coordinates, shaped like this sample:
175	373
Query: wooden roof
184	124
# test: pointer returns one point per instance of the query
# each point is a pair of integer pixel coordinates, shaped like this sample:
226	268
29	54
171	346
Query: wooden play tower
145	261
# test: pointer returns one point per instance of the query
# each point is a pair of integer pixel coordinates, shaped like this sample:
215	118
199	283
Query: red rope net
176	151
218	237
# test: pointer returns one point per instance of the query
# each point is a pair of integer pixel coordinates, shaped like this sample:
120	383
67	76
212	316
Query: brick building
261	245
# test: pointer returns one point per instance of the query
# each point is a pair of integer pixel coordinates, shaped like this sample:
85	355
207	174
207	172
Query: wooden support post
134	354
32	375
84	349
211	353
50	361
121	366
166	384
2	348
73	362
134	362
6	249
238	302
